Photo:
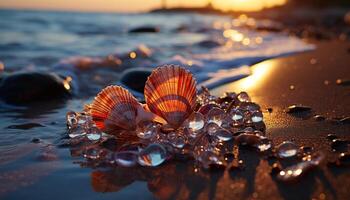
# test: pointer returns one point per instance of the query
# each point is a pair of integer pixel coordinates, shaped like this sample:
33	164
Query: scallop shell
115	109
170	92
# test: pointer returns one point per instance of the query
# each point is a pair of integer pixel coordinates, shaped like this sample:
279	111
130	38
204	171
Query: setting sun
136	5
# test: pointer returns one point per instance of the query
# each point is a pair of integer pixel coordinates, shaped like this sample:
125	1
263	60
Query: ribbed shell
114	109
170	92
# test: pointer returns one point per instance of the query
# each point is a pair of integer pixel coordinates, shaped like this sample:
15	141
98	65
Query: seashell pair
170	94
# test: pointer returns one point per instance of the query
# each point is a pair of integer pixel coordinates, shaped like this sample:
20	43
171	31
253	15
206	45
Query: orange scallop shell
115	108
170	92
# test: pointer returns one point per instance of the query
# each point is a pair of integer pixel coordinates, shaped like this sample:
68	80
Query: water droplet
195	122
339	145
146	130
93	153
72	120
126	158
243	97
176	140
264	144
236	116
93	134
153	155
249	106
78	131
216	115
206	108
224	135
287	149
257	116
212	128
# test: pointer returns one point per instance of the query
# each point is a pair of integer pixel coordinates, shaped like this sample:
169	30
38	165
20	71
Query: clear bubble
72	120
224	135
212	128
76	132
93	153
287	149
195	122
126	158
147	130
93	134
236	115
176	140
257	116
153	155
264	144
216	115
243	97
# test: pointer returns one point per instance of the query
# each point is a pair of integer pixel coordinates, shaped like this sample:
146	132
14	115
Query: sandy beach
313	75
53	65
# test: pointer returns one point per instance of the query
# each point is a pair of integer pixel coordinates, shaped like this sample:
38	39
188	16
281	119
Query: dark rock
36	140
319	118
208	44
135	79
339	145
30	87
25	126
297	109
332	136
345	120
343	82
144	29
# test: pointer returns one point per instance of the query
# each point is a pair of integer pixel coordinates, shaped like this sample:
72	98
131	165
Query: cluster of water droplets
208	136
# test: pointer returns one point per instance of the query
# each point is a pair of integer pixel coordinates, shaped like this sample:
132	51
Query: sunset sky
133	5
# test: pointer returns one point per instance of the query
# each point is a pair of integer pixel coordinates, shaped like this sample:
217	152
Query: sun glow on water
137	5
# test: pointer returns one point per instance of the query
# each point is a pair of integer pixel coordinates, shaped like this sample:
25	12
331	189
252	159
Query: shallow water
32	41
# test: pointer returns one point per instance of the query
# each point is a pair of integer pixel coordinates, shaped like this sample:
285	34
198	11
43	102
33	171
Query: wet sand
309	79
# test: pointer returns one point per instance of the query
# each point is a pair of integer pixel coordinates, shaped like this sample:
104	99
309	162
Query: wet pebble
297	109
339	145
217	167
344	159
144	29
306	150
208	44
36	140
345	120
332	136
276	168
30	87
25	126
343	82
128	78
319	118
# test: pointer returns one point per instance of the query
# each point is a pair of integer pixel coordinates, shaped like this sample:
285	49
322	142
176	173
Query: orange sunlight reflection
259	73
137	5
